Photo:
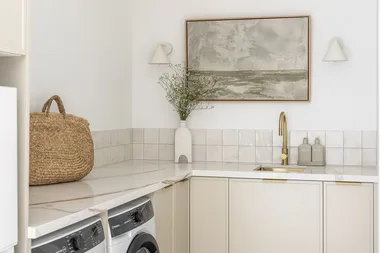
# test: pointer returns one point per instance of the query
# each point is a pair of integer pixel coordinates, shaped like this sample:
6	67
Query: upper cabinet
12	27
348	218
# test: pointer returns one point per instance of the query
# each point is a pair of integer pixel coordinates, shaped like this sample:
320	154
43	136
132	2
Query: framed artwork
255	59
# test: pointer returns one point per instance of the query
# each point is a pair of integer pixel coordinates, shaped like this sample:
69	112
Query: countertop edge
36	232
286	176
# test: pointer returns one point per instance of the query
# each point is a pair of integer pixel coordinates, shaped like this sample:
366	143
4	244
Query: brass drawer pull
275	180
348	183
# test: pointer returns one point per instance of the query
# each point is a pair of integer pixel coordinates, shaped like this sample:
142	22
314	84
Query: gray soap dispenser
318	153
304	153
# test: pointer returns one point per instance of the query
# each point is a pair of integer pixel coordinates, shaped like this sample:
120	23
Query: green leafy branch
186	89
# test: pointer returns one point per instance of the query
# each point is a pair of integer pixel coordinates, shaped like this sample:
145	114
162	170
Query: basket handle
58	100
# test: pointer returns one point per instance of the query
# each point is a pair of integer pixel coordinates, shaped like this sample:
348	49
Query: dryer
132	228
84	237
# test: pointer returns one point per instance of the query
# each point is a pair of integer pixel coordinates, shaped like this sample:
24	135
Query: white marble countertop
56	206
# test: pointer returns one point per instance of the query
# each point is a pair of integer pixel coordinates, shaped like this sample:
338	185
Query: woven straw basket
61	146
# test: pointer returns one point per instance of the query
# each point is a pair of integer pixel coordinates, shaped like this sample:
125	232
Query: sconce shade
160	56
335	53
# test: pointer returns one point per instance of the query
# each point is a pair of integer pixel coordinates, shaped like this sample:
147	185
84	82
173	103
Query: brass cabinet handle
275	180
348	183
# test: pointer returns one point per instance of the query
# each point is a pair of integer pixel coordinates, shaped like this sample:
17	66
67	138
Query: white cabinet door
348	218
163	213
8	167
275	216
209	215
12	26
181	217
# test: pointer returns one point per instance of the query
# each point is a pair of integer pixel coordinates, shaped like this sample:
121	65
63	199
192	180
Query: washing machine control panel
80	241
137	216
124	222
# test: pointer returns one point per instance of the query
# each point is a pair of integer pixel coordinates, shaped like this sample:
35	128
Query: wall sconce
161	55
335	52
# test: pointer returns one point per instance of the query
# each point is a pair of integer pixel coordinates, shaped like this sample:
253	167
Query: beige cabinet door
181	216
12	26
209	215
163	203
376	217
348	218
274	216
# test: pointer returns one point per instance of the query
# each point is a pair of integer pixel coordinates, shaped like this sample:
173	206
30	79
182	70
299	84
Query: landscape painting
255	59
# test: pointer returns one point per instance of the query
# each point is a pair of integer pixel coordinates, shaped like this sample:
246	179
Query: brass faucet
283	131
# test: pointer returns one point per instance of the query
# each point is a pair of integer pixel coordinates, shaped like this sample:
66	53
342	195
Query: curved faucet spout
283	131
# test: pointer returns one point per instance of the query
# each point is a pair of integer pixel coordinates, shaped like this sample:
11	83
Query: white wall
343	94
81	50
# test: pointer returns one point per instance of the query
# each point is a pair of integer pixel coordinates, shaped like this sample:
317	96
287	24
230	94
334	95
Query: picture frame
255	59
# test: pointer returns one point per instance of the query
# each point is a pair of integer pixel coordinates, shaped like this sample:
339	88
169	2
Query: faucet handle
283	157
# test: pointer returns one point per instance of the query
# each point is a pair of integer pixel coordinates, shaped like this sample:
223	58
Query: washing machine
83	237
132	228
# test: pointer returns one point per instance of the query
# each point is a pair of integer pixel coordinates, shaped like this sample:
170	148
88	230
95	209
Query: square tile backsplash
352	139
230	154
369	139
334	156
247	137
214	137
151	136
214	153
264	138
198	136
334	139
233	145
166	136
112	146
230	137
247	154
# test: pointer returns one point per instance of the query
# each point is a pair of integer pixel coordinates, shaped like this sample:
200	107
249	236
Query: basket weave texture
61	146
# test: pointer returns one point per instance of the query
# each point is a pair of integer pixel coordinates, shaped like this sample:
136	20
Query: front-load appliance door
143	243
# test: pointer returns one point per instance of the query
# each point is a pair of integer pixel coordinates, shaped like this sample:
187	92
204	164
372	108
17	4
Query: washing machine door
143	243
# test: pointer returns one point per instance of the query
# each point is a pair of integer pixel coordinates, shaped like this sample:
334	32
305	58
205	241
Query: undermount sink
295	169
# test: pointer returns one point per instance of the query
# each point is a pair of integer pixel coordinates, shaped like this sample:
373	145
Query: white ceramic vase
183	144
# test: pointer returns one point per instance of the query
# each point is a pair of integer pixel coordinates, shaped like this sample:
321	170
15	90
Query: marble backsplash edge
232	145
